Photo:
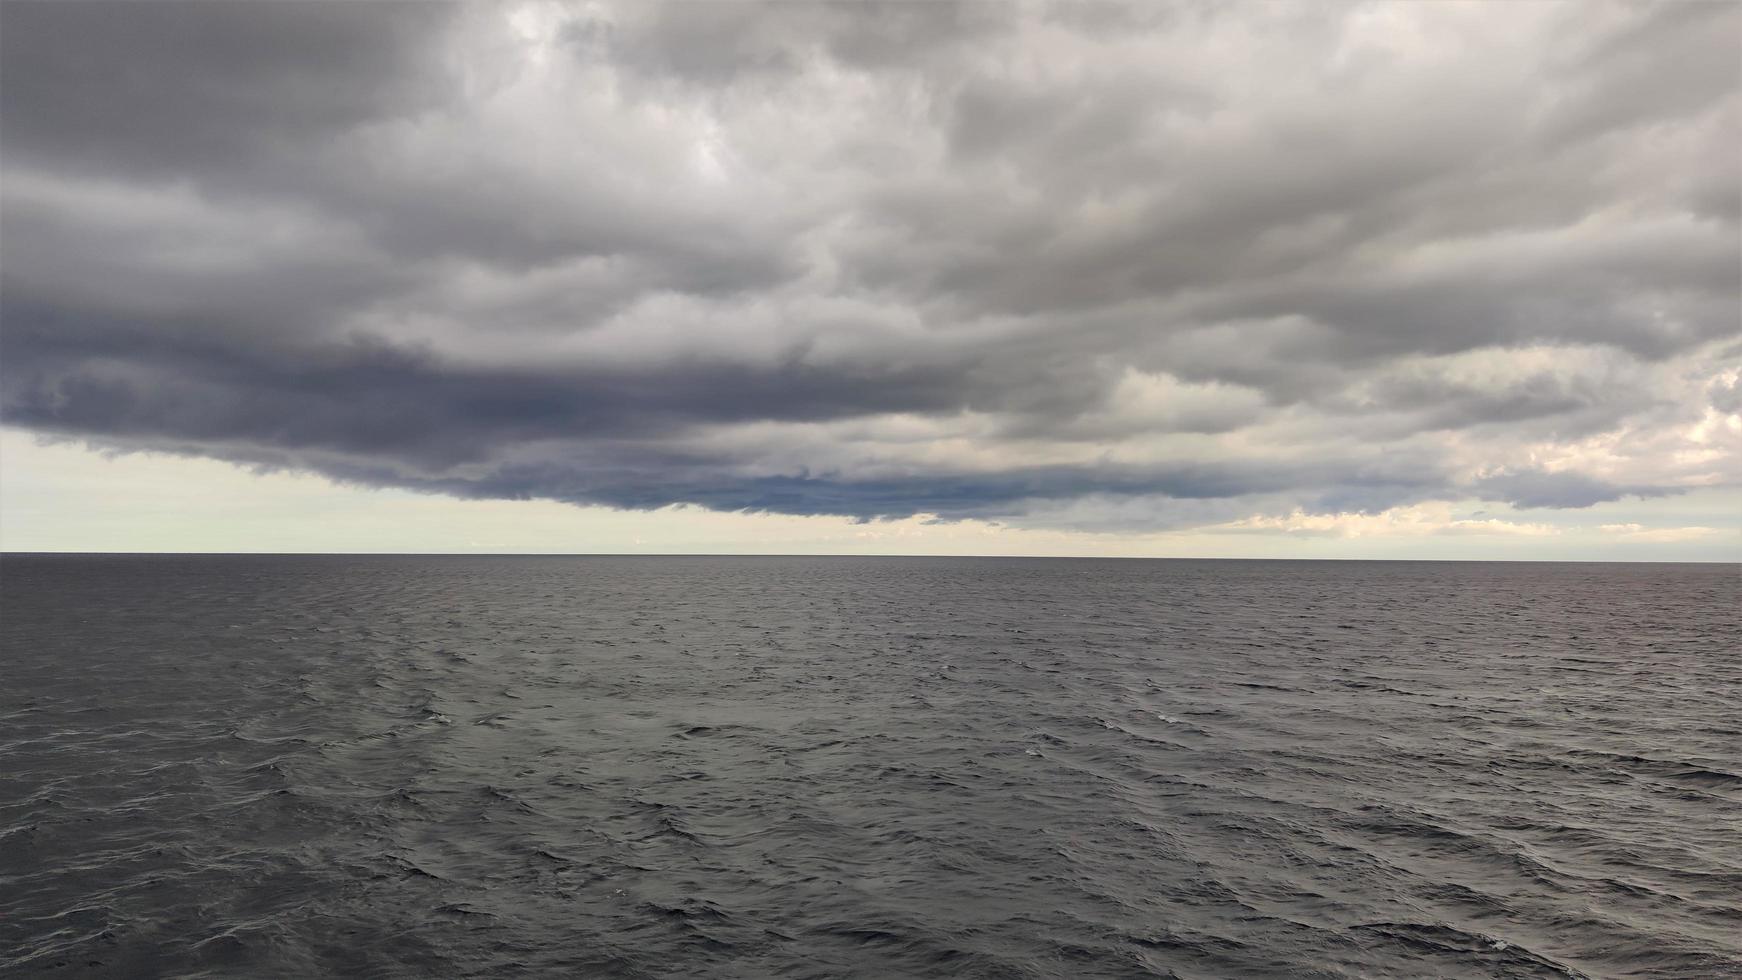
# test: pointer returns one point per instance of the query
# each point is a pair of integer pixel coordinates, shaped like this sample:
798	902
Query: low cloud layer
1083	265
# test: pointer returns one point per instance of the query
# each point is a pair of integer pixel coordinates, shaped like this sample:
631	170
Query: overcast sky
1396	279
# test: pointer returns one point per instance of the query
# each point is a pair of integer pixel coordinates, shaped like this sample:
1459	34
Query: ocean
289	766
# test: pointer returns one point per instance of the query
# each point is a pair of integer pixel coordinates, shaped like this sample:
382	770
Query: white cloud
1414	521
1659	535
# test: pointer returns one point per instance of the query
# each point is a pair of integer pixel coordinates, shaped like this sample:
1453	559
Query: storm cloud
1081	264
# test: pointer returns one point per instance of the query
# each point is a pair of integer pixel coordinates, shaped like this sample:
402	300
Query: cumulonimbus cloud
877	260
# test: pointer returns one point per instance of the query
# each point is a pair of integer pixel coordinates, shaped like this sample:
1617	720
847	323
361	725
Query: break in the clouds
1075	265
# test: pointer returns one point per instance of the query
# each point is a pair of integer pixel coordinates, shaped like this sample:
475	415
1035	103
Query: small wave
1466	947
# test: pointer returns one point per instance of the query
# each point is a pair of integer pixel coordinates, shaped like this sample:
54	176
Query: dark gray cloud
185	87
1085	264
1539	488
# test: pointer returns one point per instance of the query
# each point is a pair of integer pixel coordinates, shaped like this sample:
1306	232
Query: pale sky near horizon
1364	280
67	498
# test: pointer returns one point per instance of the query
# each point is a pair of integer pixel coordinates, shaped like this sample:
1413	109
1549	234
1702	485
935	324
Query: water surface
824	767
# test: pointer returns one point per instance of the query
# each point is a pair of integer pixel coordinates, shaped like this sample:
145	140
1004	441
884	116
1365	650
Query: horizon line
5	553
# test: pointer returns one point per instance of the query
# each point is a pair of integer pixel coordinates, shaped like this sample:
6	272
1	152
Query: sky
1395	280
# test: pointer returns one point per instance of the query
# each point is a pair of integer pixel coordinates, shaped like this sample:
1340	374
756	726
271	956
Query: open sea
227	766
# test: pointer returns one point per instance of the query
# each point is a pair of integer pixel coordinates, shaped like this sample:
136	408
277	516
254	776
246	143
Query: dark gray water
796	767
